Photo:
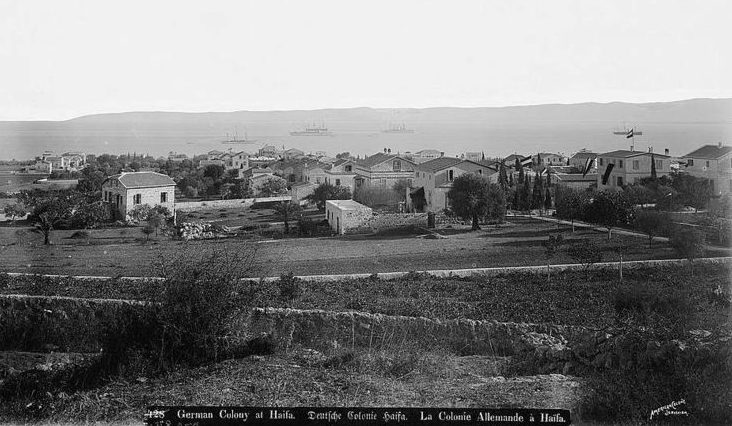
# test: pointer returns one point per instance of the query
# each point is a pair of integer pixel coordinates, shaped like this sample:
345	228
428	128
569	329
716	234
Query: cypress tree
502	178
537	199
525	197
653	167
510	180
548	200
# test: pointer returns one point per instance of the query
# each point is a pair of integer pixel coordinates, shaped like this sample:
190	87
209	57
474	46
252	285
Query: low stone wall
224	204
391	221
65	324
317	328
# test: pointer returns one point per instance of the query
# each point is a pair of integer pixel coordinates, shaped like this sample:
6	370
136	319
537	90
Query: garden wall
220	204
391	221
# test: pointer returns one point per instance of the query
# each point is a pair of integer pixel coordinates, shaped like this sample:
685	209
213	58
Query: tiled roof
624	153
379	158
584	155
143	179
710	152
439	164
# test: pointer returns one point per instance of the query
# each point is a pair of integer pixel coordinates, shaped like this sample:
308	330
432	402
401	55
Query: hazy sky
61	59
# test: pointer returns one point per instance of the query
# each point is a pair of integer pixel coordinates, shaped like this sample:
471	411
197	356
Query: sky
63	59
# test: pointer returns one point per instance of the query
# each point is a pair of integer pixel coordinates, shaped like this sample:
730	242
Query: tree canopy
473	197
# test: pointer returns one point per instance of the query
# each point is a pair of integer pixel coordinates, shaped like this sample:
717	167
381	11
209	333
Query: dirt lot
115	252
240	216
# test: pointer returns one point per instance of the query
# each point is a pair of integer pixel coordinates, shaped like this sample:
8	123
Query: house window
137	199
659	164
450	175
690	162
338	182
480	171
163	197
711	184
349	168
636	164
707	164
397	165
601	161
620	164
620	181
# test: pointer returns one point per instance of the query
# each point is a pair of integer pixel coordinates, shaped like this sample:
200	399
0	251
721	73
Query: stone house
433	180
383	170
126	191
301	190
425	155
713	162
548	159
344	215
579	160
629	167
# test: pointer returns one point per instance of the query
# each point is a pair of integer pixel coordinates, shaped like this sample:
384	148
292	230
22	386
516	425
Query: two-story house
126	191
581	158
713	162
433	180
629	167
383	170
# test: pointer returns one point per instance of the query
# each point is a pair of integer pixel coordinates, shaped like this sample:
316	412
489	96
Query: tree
650	223
570	203
469	197
502	177
609	209
344	156
537	194
524	193
287	210
155	220
273	186
49	209
214	171
551	246
13	211
688	243
400	187
587	252
496	209
147	230
653	167
325	192
88	214
548	200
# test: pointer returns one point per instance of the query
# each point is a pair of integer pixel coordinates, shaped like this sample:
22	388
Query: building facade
344	215
629	167
126	191
713	162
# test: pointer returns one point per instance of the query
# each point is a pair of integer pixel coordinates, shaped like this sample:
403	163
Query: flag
629	134
606	176
526	161
588	164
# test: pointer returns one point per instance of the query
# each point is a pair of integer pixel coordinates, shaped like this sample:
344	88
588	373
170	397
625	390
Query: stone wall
221	204
390	221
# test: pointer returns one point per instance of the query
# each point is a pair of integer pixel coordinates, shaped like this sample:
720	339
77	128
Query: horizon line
153	111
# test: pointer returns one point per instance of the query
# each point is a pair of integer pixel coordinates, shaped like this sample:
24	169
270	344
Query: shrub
289	286
688	243
199	298
587	252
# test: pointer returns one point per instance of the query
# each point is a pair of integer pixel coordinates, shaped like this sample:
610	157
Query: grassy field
123	251
239	216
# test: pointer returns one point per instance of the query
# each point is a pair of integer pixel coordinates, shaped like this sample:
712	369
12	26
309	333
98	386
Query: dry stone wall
390	221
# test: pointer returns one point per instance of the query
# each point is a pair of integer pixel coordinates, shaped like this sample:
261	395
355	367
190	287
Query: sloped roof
440	163
143	179
428	152
512	158
379	158
584	155
710	152
624	153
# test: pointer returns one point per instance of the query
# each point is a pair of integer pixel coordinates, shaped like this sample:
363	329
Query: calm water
495	139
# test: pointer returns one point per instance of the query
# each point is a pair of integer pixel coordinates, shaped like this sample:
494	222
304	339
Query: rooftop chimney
666	151
719	144
442	153
650	149
632	148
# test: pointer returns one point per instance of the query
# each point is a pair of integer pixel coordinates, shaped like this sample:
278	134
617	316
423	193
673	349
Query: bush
688	242
199	299
289	286
587	252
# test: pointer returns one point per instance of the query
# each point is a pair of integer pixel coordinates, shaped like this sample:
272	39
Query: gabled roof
710	152
512	158
428	152
438	164
582	155
380	158
624	153
143	179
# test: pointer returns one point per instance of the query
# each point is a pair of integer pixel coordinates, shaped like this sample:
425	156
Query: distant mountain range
680	126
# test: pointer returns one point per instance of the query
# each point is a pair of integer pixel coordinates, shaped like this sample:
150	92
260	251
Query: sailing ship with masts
234	139
397	128
313	130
